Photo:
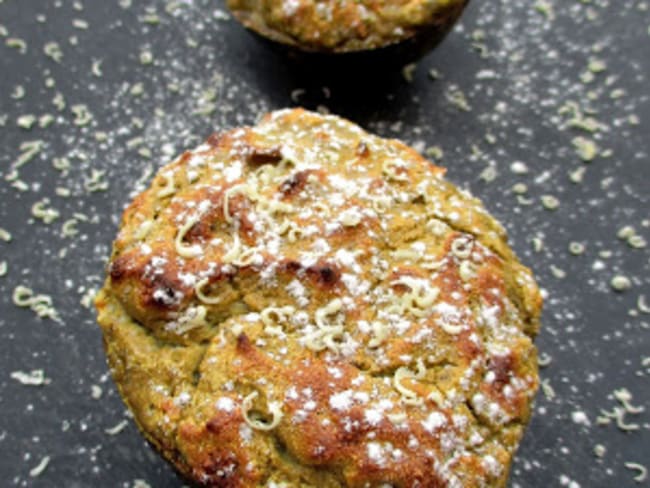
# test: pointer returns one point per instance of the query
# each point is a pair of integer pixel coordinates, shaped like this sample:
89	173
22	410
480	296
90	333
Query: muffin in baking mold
392	29
301	303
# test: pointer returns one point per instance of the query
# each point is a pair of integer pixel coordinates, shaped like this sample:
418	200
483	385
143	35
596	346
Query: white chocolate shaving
380	333
169	188
327	333
276	315
192	318
409	397
35	377
234	252
397	418
198	290
293	230
624	396
331	308
40	467
40	304
142	230
274	409
324	338
462	247
247	256
181	248
436	396
450	329
405	254
266	173
467	270
642	471
419	300
230	192
273	206
431	265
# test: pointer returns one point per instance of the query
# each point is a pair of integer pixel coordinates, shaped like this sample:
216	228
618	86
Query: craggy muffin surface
303	304
346	25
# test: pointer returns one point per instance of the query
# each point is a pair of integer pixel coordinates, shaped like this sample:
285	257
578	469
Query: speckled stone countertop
540	108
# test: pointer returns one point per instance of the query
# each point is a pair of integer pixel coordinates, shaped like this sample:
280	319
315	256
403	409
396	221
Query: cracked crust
347	26
301	303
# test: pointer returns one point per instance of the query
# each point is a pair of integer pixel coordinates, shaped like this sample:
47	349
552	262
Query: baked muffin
345	26
304	304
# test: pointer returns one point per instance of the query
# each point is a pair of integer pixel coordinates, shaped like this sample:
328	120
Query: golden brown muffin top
301	302
344	25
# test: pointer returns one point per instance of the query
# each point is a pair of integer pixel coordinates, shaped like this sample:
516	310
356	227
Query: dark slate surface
515	62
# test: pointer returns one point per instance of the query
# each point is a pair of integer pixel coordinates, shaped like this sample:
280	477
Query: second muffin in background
347	26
